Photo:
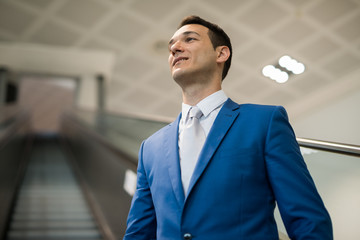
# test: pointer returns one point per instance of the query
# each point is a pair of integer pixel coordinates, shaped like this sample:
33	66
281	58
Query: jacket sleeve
300	205
141	222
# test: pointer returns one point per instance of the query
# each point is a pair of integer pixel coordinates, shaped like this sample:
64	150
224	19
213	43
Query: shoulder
261	110
260	116
259	107
159	133
155	147
163	132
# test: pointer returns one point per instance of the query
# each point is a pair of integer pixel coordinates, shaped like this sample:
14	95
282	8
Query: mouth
179	59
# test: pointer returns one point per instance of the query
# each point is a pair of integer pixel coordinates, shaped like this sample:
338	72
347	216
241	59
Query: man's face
191	53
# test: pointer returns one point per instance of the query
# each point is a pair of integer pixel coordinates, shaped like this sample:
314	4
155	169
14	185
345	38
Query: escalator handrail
70	118
13	124
342	148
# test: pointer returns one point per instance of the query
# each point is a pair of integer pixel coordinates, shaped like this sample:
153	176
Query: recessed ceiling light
284	69
275	74
291	65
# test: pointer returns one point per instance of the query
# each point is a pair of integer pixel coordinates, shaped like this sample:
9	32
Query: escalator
50	202
66	185
42	197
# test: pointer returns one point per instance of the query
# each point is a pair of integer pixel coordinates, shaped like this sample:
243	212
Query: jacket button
187	236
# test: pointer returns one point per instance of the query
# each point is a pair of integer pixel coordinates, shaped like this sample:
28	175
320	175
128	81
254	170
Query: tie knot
195	112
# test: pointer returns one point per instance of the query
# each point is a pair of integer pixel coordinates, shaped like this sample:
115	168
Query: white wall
336	176
61	61
339	121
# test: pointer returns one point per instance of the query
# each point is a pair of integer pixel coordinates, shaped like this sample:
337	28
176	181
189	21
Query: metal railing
341	148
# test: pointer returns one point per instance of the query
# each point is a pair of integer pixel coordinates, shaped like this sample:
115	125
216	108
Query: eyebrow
185	34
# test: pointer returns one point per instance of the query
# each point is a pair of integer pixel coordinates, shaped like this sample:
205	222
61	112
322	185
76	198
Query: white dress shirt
210	107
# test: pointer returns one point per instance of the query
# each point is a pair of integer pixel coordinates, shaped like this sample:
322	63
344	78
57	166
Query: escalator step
59	207
50	209
50	203
51	217
54	234
53	225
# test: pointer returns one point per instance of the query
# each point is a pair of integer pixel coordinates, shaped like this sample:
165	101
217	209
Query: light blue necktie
193	138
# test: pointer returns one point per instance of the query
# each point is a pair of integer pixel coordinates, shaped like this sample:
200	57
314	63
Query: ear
223	53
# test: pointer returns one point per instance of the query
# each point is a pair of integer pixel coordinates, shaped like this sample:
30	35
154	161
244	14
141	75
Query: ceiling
322	34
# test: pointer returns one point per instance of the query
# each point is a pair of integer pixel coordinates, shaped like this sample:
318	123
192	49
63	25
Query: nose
176	47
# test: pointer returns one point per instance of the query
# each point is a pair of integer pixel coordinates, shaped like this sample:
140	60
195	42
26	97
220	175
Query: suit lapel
173	160
222	123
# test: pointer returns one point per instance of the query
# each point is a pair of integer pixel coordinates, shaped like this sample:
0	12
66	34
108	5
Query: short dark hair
216	34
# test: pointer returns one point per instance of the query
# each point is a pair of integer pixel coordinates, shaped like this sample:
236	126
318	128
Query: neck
192	95
196	87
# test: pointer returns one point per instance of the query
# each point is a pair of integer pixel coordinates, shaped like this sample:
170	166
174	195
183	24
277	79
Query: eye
189	39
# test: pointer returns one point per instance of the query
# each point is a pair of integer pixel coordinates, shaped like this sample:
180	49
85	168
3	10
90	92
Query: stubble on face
192	56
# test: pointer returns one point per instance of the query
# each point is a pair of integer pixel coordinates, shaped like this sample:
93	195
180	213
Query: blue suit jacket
250	161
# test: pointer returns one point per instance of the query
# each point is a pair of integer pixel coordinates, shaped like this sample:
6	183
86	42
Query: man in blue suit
248	162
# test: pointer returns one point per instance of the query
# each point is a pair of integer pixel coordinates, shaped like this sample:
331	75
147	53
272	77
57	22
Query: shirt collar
207	105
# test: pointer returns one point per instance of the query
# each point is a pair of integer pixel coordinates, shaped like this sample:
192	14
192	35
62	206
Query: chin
178	74
183	80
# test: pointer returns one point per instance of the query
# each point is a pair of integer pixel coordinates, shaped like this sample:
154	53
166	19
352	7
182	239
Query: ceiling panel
40	4
319	48
256	86
151	8
53	33
299	3
228	6
278	97
14	20
97	44
325	34
196	8
350	29
263	15
293	32
331	10
125	29
257	55
134	67
238	36
343	64
161	83
82	12
236	77
308	82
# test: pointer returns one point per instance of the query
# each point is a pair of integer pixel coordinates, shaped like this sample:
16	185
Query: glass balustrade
335	170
